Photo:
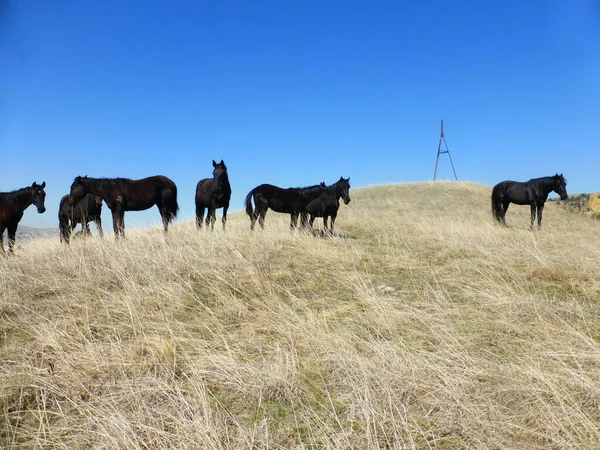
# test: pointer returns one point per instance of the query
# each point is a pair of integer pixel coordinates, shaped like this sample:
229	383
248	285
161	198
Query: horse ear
34	184
43	184
222	163
214	163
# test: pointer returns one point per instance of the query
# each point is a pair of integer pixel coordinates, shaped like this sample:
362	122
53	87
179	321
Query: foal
328	203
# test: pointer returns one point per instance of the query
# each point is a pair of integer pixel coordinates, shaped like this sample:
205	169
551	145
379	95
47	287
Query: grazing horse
533	193
290	201
327	204
86	210
213	193
12	206
123	194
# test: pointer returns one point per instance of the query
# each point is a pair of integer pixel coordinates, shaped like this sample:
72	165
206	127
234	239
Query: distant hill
26	233
588	204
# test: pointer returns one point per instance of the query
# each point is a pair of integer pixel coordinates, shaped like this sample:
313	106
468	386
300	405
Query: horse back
278	199
517	192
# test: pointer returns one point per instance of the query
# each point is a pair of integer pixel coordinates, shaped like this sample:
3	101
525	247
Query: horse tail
495	197
248	203
171	203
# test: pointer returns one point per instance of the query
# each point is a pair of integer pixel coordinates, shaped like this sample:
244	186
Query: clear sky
295	92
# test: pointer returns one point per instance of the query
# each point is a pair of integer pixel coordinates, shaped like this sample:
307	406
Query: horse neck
337	190
95	186
224	186
547	184
20	199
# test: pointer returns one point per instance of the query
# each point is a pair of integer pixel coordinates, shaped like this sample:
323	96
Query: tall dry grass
424	326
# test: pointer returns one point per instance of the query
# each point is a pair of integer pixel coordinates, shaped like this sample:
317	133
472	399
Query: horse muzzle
564	197
41	209
346	201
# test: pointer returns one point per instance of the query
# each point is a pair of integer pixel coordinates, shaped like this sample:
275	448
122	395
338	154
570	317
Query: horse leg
98	223
65	231
303	219
199	216
2	239
12	233
261	218
212	217
293	220
122	223
311	221
224	219
533	208
118	223
540	208
332	221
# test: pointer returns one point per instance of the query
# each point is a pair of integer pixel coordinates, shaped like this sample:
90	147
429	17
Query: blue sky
295	92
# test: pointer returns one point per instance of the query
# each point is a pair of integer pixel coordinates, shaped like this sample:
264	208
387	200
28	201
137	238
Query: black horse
213	193
290	201
123	194
12	206
327	204
88	209
533	193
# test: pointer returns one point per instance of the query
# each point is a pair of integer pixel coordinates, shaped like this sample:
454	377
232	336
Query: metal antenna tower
437	159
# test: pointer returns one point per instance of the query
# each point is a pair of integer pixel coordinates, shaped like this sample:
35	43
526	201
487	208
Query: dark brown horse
327	204
123	194
213	193
88	209
291	201
533	193
12	206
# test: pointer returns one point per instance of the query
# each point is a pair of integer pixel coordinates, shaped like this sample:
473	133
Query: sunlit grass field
422	325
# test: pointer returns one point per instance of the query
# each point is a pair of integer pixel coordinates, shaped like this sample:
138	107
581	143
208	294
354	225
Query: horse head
560	186
78	190
221	179
38	196
344	189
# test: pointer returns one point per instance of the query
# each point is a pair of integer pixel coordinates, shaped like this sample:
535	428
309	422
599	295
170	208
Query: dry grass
425	326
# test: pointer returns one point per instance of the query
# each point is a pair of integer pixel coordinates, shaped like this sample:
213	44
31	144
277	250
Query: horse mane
309	189
11	197
549	177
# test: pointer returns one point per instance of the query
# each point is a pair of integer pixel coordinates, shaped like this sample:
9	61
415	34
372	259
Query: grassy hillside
425	326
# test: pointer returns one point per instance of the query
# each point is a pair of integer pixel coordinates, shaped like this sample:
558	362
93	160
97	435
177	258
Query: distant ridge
588	204
27	233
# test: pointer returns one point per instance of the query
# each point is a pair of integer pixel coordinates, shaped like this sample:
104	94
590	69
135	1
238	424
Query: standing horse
213	193
12	206
123	194
290	201
327	204
533	193
88	209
